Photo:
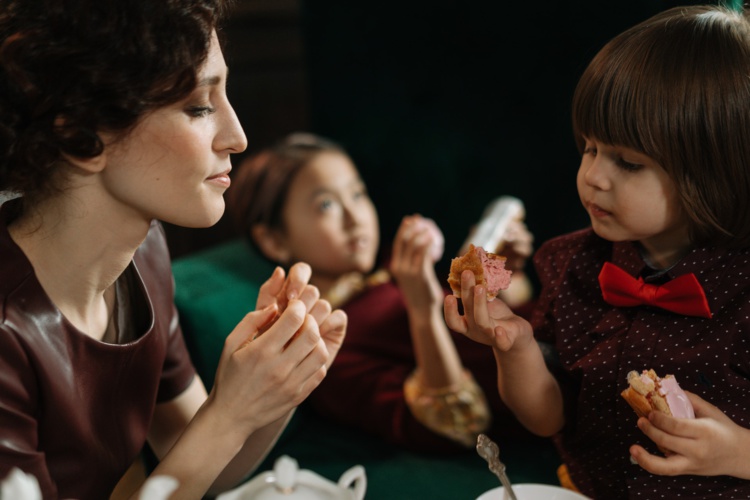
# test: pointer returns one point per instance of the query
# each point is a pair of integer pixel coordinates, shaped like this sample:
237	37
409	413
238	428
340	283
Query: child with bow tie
660	279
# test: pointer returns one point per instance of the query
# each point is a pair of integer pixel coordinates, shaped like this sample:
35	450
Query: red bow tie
683	295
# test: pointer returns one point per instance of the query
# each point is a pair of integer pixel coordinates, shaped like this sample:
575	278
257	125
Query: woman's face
329	219
174	166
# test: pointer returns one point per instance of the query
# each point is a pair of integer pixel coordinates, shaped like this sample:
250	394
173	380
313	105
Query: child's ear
271	243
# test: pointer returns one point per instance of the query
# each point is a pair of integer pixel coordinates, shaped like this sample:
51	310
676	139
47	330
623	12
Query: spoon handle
488	449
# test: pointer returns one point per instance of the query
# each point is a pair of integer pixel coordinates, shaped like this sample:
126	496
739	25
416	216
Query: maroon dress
74	411
599	344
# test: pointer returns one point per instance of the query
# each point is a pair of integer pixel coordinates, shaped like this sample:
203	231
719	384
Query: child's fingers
453	319
467	297
663	466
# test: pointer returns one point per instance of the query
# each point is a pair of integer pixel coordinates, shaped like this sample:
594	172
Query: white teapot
288	482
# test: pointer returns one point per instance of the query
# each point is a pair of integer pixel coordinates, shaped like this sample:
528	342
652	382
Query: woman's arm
213	441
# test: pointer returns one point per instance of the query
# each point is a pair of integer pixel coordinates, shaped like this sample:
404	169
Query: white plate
533	492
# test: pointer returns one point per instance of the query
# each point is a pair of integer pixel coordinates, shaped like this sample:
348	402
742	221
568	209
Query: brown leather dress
74	411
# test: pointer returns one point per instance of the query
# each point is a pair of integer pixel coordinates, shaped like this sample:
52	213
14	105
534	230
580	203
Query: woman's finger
299	277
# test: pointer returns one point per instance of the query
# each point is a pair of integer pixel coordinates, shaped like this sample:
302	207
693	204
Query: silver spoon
489	451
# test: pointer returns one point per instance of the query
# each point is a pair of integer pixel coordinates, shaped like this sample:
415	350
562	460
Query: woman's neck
77	254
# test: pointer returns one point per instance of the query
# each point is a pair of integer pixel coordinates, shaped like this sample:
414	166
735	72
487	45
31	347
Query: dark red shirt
599	344
74	412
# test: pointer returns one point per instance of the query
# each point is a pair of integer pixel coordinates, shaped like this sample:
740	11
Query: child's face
630	197
329	219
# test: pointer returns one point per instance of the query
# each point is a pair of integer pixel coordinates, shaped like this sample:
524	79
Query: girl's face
174	166
630	197
329	220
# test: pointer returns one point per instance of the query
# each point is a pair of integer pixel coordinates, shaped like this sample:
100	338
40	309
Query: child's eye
589	150
200	111
630	167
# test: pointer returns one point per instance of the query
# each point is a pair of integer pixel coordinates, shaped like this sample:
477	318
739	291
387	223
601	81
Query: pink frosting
678	402
495	274
438	242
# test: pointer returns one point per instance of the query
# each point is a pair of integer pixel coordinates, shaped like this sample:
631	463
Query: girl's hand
417	246
709	445
488	322
518	244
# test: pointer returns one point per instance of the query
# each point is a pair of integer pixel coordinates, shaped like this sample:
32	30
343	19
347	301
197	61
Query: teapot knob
286	474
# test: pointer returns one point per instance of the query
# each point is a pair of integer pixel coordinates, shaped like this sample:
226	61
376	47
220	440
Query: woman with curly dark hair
114	117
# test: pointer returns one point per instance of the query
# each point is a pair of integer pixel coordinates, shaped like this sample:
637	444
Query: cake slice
488	268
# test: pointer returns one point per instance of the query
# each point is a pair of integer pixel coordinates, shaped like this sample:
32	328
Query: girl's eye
325	205
200	111
627	166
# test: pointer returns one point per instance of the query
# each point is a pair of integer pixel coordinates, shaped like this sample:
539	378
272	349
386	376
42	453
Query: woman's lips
221	180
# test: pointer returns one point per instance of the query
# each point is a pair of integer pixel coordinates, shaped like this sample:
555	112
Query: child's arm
709	445
440	375
524	382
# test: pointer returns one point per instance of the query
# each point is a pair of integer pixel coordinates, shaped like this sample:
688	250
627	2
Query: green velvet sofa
215	288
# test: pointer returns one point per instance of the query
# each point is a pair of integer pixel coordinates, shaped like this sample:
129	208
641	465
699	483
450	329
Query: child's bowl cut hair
677	88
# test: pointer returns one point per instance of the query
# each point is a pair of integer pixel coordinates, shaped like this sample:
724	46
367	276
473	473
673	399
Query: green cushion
215	288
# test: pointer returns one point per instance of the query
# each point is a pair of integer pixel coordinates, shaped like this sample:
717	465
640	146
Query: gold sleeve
458	411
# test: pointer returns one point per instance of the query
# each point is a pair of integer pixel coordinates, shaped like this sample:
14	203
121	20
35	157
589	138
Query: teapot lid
288	482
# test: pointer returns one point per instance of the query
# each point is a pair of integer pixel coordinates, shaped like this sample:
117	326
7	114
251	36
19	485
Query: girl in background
401	374
662	119
115	116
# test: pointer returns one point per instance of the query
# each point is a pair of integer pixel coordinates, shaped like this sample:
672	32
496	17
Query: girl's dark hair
261	183
72	68
677	88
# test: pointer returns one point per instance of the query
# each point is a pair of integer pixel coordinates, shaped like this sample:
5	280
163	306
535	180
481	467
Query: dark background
443	105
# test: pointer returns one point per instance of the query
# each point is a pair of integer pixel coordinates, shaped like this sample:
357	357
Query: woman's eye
200	111
360	193
625	165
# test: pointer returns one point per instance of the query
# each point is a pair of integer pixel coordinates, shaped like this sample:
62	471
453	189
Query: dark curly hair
72	68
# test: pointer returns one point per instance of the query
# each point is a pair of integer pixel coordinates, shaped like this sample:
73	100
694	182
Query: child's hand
709	445
415	249
488	322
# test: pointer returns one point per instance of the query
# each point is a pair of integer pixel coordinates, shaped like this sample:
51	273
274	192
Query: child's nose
596	173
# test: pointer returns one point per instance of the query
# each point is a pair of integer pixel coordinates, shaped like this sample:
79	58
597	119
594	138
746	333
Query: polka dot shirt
598	344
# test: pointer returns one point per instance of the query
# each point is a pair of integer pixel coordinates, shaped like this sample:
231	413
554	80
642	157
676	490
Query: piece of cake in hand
488	268
647	391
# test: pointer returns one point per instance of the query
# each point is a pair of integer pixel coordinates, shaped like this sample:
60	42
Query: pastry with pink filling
488	268
647	391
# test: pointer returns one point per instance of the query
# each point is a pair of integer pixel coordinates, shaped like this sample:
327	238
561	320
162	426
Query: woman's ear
90	165
271	243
